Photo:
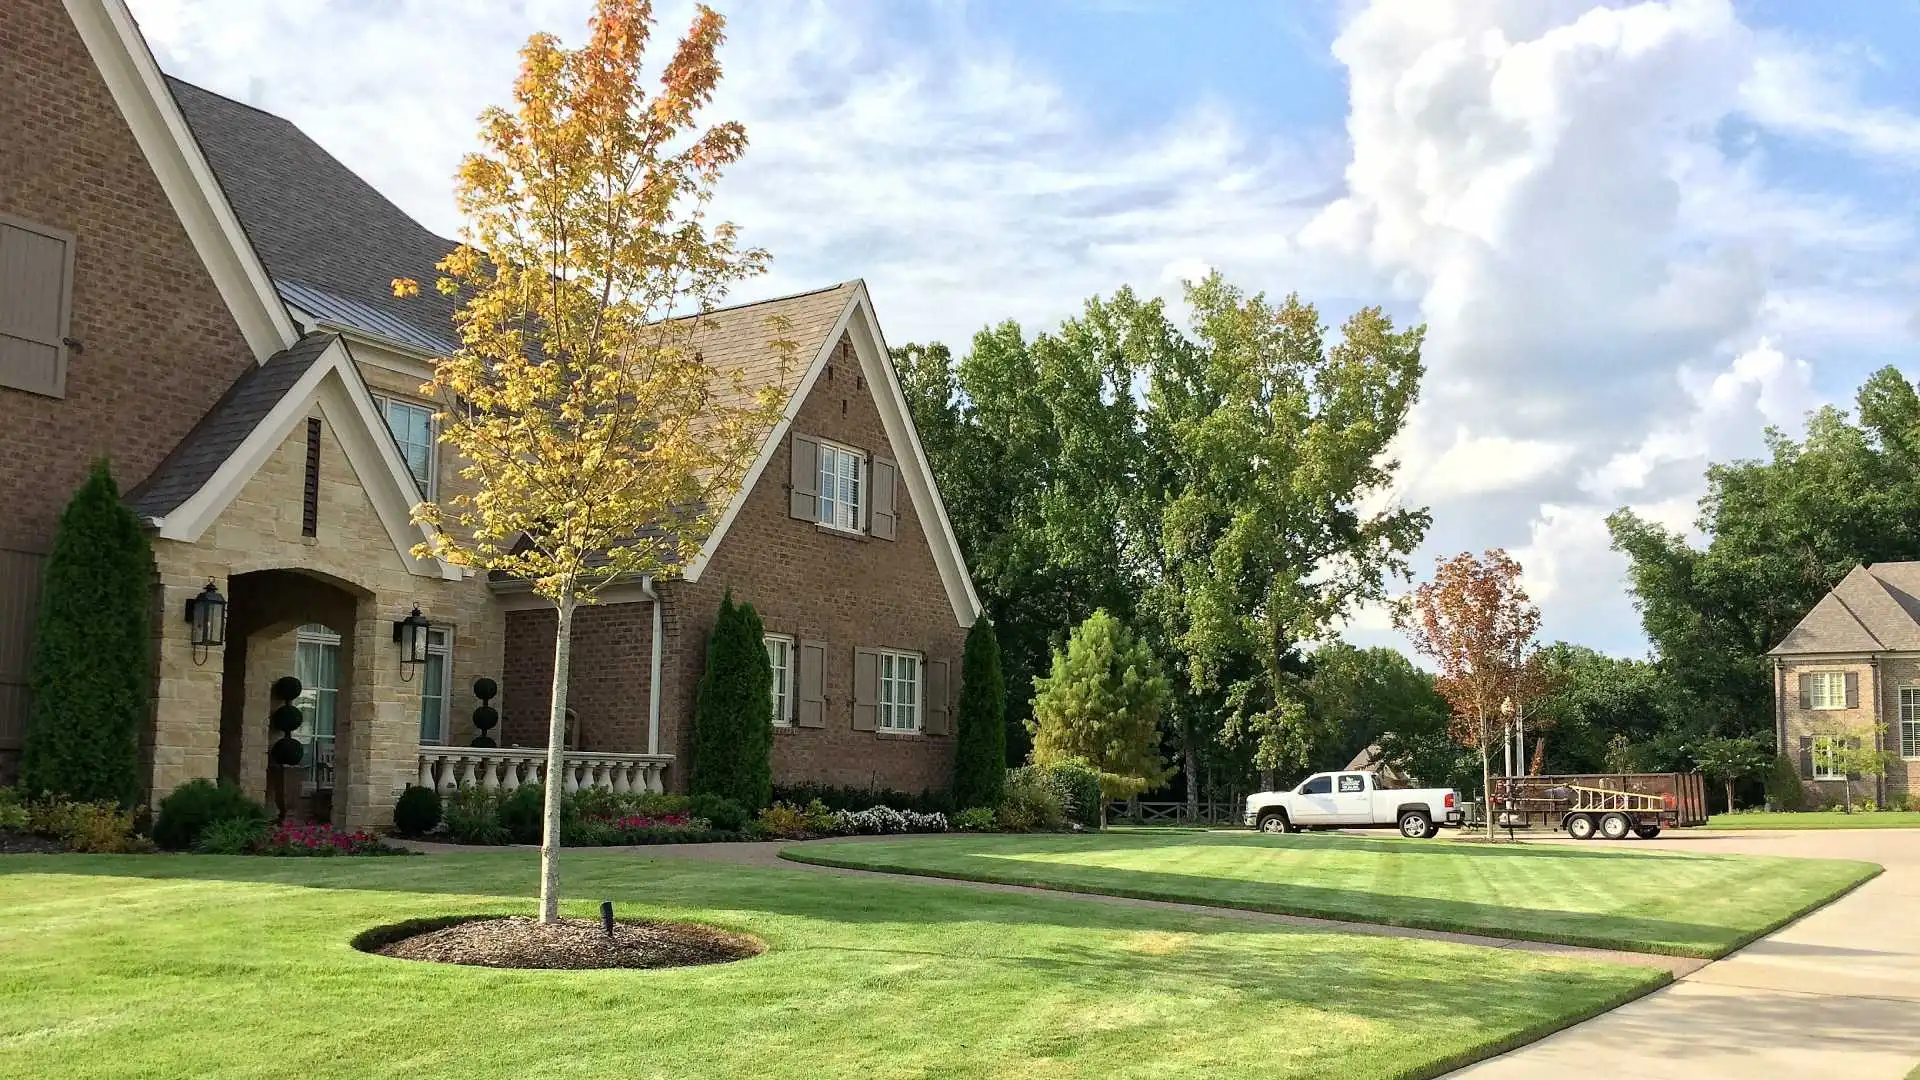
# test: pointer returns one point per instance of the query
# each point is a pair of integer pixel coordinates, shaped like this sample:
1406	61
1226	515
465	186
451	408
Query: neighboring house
1849	675
1367	760
195	290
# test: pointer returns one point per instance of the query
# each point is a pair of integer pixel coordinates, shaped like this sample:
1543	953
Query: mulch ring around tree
516	941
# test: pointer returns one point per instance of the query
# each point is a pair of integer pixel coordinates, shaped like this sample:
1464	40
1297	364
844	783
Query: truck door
1316	801
1352	802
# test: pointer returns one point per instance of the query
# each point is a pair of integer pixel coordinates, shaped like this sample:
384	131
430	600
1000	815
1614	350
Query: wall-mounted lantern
410	634
207	613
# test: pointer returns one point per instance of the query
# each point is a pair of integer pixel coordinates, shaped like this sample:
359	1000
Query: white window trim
1837	681
1904	720
381	402
444	649
1833	743
862	477
783	717
881	706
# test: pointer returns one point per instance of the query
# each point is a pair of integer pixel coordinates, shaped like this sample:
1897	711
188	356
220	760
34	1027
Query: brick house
1849	675
197	291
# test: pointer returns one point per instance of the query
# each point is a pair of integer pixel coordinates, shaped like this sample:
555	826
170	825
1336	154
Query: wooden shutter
939	716
1853	744
866	689
20	577
36	305
1806	690
812	696
883	518
1806	753
1853	689
803	483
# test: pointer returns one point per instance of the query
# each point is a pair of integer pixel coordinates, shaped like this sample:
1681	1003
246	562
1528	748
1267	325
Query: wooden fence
1135	812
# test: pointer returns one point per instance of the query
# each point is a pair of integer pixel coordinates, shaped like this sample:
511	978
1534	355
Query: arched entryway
300	623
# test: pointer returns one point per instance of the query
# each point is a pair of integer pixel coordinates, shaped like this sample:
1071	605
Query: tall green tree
1593	698
91	666
1781	531
733	714
1265	443
1358	696
1102	704
980	731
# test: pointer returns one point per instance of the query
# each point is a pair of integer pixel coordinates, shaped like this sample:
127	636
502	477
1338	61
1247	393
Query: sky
1638	233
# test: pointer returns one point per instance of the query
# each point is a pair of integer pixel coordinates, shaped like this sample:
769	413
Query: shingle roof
220	432
1873	609
331	243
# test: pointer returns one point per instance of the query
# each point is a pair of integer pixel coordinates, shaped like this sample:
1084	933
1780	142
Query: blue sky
1637	232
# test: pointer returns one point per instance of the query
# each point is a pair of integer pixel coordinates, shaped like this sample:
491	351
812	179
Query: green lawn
1679	904
204	966
1818	819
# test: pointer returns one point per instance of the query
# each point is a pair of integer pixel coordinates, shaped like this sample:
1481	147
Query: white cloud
1478	464
1810	95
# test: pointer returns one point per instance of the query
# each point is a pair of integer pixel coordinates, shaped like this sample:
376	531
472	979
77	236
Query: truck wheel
1615	826
1274	822
1580	827
1416	825
1646	832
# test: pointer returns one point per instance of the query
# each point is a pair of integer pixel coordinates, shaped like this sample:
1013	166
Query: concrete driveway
1835	994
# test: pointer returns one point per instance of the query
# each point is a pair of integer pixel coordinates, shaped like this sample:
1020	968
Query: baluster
621	771
466	771
654	769
490	773
444	768
426	771
569	782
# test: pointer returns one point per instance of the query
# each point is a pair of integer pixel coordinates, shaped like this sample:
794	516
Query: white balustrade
446	768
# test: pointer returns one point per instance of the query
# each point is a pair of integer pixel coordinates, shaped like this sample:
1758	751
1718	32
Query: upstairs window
843	475
412	427
1829	689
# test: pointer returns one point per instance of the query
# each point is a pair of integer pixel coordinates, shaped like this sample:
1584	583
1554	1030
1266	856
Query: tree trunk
1729	794
1190	760
1486	786
556	765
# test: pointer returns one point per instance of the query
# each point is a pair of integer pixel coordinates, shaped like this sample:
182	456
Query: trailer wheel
1646	832
1580	827
1416	825
1273	821
1615	826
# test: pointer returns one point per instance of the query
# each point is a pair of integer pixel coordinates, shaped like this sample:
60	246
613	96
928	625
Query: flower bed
785	821
320	840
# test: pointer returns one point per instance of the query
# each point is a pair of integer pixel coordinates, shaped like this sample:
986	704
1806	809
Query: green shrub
725	815
524	813
589	832
781	822
417	811
96	827
1029	803
233	836
857	799
13	811
980	722
196	804
977	818
472	815
1784	789
89	675
732	722
1077	785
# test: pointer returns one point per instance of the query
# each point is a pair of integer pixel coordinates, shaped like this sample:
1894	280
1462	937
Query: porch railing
445	768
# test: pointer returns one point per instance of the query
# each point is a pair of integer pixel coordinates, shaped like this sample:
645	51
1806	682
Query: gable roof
331	242
1873	609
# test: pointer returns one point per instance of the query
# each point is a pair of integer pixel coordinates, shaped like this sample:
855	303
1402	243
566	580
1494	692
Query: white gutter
653	682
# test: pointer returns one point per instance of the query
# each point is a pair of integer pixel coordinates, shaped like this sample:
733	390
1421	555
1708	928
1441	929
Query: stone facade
1873	719
806	582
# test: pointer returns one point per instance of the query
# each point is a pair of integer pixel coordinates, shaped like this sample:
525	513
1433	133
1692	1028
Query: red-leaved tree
1476	623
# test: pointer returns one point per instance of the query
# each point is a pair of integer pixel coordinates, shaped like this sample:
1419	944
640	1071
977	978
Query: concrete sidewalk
1836	994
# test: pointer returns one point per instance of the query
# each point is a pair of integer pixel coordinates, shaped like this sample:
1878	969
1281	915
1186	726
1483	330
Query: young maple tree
1476	623
597	443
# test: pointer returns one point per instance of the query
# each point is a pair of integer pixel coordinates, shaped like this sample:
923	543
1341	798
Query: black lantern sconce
410	634
207	613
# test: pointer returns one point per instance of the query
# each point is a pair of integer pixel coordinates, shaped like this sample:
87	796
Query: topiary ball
288	718
417	811
485	717
288	751
286	688
482	741
485	688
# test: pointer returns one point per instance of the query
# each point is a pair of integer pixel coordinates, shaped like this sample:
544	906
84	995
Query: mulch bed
15	843
516	941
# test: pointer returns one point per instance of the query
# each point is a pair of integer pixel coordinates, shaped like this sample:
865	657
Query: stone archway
291	622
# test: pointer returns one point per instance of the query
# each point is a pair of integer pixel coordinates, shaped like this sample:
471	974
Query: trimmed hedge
191	807
980	722
732	722
417	811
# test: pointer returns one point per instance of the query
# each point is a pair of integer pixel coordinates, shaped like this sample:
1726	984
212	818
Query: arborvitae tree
1783	785
1102	705
980	737
91	667
733	718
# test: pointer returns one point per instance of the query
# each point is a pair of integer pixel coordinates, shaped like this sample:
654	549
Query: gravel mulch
519	942
15	843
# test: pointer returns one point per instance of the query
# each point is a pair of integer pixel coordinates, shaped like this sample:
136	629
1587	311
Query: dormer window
412	427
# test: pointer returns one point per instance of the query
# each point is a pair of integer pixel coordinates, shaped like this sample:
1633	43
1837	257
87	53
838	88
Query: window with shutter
883	517
36	306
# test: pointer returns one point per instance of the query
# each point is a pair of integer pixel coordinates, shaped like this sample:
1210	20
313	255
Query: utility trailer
1609	805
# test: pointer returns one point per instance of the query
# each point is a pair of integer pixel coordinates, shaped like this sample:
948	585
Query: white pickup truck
1354	800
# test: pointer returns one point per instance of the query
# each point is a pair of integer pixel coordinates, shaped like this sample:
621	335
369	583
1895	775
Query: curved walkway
1835	994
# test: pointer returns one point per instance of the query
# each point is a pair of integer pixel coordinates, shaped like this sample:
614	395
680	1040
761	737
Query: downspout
653	679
